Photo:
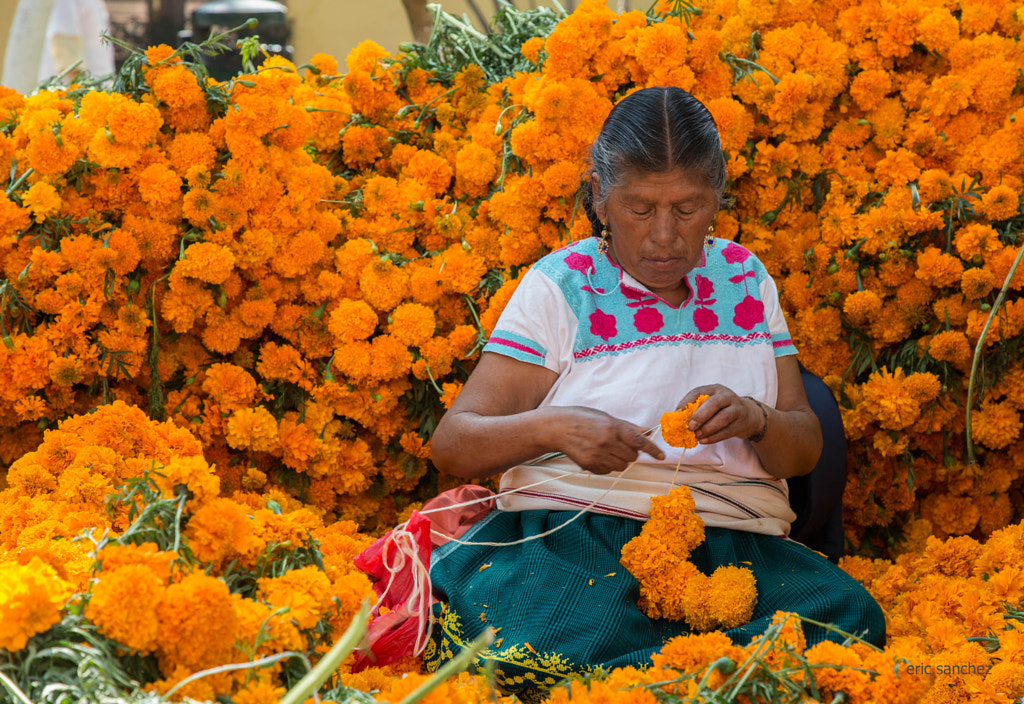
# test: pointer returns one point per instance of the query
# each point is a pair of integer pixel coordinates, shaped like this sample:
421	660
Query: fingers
640	442
721	417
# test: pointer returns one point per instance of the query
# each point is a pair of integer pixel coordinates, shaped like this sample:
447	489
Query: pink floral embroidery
734	254
705	319
748	312
580	262
705	288
602	325
648	320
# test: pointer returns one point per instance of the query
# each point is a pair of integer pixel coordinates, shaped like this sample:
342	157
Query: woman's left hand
723	415
791	444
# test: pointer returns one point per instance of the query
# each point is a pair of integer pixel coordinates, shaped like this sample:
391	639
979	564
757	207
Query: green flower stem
971	459
330	662
451	668
15	691
262	662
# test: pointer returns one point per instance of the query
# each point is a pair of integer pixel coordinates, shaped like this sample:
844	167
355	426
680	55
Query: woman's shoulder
730	262
578	266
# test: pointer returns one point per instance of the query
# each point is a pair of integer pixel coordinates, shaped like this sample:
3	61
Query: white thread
547	532
595	291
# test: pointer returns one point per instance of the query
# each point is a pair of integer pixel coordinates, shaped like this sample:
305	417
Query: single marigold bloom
252	429
937	268
31	599
862	307
383	284
951	346
42	200
996	425
977	283
675	425
1000	202
185	614
230	386
135	627
159	186
305	591
206	261
220	530
412	324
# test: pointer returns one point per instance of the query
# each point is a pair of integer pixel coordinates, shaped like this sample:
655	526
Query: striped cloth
562	605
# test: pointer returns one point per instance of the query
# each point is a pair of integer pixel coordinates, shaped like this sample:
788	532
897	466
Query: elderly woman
600	339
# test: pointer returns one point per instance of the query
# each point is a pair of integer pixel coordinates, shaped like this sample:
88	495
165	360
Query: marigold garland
670	585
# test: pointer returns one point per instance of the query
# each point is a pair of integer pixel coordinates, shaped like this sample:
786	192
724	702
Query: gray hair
656	130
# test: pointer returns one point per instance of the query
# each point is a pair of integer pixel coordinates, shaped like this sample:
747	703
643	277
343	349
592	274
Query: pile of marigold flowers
300	264
264	293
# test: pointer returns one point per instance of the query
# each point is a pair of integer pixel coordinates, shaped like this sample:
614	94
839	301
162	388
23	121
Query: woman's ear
600	208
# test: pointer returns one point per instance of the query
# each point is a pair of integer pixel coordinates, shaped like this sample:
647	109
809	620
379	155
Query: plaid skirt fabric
563	605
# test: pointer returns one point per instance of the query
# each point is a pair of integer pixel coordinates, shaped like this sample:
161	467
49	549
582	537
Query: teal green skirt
563	605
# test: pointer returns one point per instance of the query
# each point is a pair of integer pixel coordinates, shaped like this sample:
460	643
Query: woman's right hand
496	423
601	443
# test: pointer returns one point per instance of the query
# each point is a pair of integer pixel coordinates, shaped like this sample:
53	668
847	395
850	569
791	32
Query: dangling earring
602	245
709	239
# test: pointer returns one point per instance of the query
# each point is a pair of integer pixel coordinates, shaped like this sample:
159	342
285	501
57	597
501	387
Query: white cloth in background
73	34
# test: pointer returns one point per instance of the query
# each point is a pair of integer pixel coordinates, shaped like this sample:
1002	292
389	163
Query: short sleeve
536	325
781	340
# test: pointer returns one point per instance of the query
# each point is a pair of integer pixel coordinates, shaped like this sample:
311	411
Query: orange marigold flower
451	391
185	614
412	324
305	591
192	152
390	358
230	386
675	425
31	599
976	240
192	472
951	346
462	269
252	429
475	169
42	200
977	283
996	425
351	320
886	397
136	626
934	185
531	49
220	530
176	86
66	371
159	53
1000	203
732	595
937	268
159	185
862	307
383	284
281	363
206	261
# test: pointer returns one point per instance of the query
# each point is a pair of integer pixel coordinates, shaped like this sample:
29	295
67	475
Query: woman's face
657	223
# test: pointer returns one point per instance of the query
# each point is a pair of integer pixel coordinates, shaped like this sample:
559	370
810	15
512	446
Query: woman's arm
792	441
495	424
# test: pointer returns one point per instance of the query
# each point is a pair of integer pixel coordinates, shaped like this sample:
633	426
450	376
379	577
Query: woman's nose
662	228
